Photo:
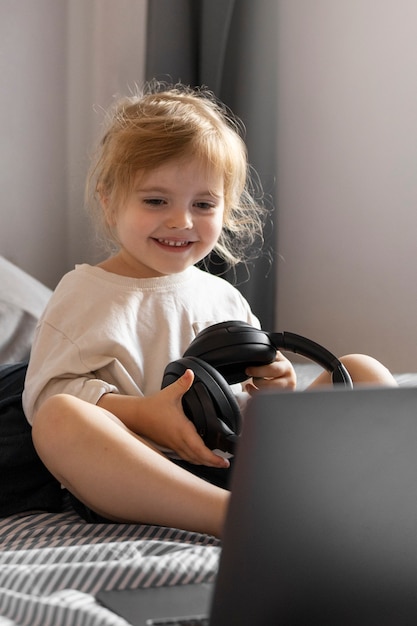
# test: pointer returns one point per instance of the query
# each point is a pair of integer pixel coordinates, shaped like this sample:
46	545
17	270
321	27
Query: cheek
215	224
210	233
131	221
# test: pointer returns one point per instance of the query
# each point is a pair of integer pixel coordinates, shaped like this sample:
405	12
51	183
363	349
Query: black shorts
25	483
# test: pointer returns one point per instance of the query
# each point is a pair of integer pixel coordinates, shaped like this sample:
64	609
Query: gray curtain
229	46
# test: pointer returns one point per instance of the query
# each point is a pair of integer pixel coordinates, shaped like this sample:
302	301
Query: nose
179	218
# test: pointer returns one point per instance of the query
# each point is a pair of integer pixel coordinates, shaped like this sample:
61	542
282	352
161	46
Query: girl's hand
279	374
164	422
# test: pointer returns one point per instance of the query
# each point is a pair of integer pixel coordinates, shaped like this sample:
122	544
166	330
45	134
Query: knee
367	370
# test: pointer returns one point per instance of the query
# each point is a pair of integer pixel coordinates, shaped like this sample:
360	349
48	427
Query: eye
205	206
154	201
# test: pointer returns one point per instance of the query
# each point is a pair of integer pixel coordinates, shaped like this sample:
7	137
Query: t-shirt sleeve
56	367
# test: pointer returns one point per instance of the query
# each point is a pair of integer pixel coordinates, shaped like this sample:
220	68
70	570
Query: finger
272	383
194	450
204	457
251	389
185	381
286	380
276	369
180	386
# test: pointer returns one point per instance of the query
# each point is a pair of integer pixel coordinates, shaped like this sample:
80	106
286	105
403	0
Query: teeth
174	244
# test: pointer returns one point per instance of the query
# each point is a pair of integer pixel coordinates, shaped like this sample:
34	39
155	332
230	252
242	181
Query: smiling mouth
173	244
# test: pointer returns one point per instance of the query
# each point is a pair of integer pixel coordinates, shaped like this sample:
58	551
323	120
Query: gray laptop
322	524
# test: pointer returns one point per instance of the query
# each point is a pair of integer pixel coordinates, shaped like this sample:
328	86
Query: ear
106	207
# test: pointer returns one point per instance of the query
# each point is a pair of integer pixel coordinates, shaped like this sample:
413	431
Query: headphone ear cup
210	403
231	347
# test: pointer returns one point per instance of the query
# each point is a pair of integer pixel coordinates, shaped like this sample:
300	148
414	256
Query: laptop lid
322	525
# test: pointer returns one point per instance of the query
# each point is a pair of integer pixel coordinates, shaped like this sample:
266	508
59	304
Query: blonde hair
164	123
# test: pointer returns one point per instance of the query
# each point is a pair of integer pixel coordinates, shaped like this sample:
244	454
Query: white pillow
22	300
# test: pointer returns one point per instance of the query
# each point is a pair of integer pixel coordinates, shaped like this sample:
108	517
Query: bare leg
363	369
117	474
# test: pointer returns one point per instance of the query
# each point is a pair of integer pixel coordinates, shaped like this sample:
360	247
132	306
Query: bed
52	564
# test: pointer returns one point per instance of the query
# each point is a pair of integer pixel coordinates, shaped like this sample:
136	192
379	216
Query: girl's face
171	220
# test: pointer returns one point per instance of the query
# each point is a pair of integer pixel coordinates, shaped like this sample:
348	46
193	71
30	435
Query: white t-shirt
103	333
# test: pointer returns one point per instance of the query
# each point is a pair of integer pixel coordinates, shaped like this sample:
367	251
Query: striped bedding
52	565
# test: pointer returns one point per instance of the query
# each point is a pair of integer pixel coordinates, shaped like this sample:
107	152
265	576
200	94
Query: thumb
184	382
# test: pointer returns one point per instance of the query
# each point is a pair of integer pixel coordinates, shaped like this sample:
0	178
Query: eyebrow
166	190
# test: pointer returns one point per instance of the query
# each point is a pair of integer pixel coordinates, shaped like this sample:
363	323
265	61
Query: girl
169	185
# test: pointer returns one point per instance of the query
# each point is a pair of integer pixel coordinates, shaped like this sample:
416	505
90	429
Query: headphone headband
219	356
233	346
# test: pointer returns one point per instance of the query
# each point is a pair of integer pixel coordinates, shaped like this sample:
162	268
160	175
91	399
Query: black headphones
219	356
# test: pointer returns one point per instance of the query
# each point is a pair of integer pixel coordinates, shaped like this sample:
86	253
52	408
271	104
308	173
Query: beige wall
60	63
32	131
347	175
